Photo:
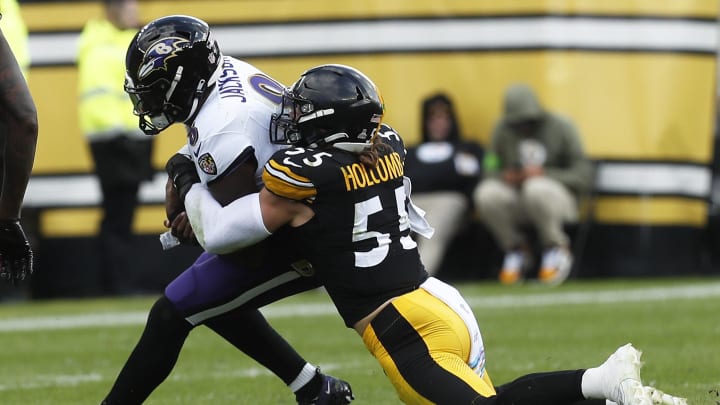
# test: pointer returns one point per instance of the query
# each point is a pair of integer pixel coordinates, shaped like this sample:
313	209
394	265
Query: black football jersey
359	239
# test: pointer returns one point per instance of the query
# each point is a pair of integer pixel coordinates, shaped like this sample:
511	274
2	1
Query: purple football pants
215	285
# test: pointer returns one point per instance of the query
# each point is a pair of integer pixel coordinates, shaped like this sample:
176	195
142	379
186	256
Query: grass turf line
546	329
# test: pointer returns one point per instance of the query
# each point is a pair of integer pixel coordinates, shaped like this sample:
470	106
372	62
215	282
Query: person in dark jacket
444	170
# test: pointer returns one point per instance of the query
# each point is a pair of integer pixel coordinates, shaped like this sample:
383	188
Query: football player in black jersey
341	190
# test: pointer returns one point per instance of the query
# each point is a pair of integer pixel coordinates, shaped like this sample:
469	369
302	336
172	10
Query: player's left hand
173	204
16	256
183	173
180	228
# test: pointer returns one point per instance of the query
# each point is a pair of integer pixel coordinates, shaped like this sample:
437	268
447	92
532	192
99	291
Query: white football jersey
234	120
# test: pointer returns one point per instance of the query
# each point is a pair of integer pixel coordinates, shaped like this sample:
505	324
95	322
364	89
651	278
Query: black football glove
181	170
16	256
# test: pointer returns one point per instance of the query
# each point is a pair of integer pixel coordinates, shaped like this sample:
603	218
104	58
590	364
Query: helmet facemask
283	125
171	64
160	104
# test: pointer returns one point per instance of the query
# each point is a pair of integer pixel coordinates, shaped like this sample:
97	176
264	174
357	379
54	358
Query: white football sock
592	384
306	374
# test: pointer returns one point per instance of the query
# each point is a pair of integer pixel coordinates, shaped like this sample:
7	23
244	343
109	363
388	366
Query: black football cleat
333	391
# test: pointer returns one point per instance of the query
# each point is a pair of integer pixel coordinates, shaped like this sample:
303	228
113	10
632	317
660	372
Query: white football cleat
556	266
621	377
660	398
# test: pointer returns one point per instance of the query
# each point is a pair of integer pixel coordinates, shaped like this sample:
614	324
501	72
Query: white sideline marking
62	380
114	319
67	380
598	297
73	321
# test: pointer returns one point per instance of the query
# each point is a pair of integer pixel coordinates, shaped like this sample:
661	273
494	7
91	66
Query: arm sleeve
221	229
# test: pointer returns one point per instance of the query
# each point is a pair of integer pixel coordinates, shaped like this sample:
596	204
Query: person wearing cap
535	170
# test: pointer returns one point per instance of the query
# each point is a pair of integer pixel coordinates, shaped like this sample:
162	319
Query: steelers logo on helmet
159	53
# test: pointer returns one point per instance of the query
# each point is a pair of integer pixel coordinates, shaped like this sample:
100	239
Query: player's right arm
253	217
242	223
18	117
237	182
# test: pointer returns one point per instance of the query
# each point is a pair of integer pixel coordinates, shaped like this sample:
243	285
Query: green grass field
69	352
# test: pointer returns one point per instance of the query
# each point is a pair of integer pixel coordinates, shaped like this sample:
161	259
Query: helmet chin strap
202	85
196	100
174	83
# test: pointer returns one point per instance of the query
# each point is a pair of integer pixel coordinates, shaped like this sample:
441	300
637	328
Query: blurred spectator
535	169
713	229
121	152
444	170
16	33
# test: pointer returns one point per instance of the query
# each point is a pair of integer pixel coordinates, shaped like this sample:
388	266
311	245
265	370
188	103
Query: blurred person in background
16	33
18	139
444	170
536	170
120	151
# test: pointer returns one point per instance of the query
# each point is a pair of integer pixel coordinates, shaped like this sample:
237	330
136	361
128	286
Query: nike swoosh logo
327	391
196	151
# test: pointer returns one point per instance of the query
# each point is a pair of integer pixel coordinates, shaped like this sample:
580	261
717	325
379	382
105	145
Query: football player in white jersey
175	73
341	190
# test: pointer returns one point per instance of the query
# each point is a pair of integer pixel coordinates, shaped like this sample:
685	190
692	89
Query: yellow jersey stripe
288	172
279	182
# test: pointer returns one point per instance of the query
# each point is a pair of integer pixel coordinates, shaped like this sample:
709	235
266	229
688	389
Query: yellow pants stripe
423	347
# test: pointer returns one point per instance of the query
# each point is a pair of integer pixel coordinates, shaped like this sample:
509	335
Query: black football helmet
170	64
328	104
